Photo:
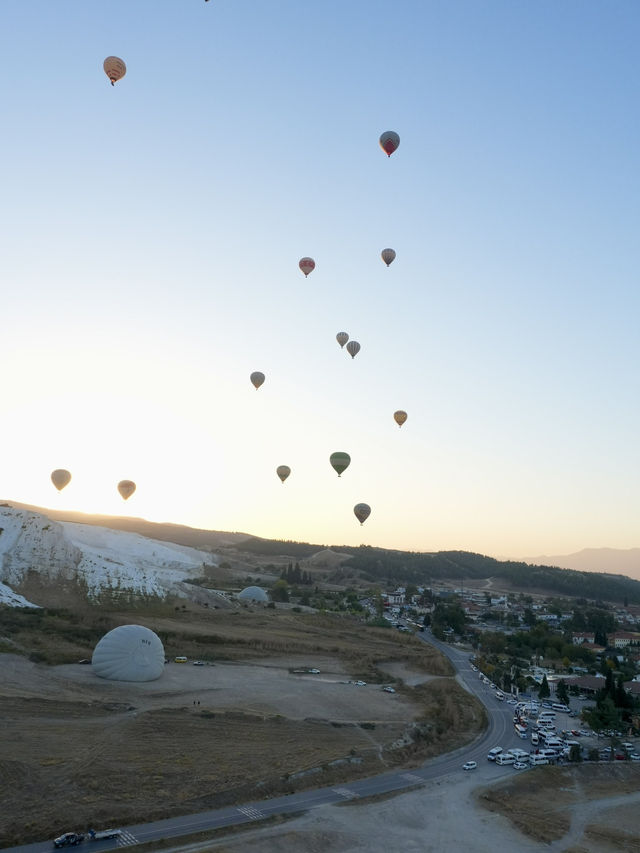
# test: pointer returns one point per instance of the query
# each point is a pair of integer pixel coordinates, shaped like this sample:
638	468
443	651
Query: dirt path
586	813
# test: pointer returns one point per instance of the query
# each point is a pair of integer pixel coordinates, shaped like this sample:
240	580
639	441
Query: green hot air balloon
339	462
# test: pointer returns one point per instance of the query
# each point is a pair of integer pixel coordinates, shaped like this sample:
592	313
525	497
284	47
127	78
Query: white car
389	689
520	765
470	765
314	671
360	683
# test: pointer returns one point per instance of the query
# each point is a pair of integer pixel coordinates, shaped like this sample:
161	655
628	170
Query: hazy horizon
151	239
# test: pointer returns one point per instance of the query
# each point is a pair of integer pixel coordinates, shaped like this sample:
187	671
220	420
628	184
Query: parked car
470	765
634	756
314	671
360	683
520	765
389	689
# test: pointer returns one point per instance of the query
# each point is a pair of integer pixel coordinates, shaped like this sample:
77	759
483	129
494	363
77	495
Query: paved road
500	732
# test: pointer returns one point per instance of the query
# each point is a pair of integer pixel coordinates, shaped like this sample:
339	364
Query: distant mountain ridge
608	560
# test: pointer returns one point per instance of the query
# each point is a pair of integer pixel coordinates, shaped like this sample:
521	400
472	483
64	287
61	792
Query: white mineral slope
99	557
8	596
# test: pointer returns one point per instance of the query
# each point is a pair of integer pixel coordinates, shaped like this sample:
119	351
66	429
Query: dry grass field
81	751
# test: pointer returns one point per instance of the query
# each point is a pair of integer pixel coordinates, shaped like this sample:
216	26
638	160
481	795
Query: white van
537	759
547	715
558	706
549	754
505	758
494	753
534	738
519	754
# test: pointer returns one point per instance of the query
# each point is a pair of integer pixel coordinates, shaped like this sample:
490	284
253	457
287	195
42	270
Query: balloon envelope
388	256
307	265
257	379
340	462
353	348
129	653
60	478
362	512
400	417
114	68
126	488
389	141
342	338
283	472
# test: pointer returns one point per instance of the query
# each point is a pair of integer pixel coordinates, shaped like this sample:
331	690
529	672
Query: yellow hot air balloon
126	488
362	512
60	478
114	68
389	141
283	472
342	338
307	265
257	379
388	256
353	348
400	417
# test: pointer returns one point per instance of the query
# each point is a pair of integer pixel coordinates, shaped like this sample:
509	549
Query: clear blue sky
149	248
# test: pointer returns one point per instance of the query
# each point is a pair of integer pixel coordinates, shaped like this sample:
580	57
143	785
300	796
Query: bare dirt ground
80	751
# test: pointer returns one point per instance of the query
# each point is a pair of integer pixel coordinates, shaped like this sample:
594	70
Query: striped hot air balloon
114	68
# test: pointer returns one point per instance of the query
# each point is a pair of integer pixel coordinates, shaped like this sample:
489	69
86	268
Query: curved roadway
500	732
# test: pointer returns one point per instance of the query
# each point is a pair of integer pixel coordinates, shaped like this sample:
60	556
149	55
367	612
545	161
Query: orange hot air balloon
283	472
389	142
388	256
342	338
307	265
362	512
126	488
400	417
60	478
114	68
257	379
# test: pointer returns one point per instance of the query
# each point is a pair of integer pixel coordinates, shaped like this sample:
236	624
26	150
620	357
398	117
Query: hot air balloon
283	472
257	379
389	141
114	68
388	256
342	338
60	478
307	265
340	462
400	417
353	348
362	512
126	488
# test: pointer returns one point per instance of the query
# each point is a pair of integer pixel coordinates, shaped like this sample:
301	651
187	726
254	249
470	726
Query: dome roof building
253	593
129	653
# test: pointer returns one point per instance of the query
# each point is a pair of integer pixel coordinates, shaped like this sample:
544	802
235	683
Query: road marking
126	839
346	793
411	777
251	813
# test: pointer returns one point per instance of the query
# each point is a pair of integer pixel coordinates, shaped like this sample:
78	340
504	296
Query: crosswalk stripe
346	793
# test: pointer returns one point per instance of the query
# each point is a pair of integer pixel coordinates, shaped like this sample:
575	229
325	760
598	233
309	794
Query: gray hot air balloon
353	348
342	338
129	653
283	472
339	461
60	478
389	141
114	68
388	256
362	512
257	379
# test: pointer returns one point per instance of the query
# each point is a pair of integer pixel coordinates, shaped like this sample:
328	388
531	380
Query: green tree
543	691
280	591
562	692
575	753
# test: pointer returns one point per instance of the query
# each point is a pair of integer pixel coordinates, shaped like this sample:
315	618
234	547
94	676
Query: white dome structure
253	593
129	653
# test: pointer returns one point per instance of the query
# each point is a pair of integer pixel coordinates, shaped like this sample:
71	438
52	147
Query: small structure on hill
129	653
253	593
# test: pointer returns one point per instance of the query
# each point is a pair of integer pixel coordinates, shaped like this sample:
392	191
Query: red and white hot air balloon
389	142
307	265
114	68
